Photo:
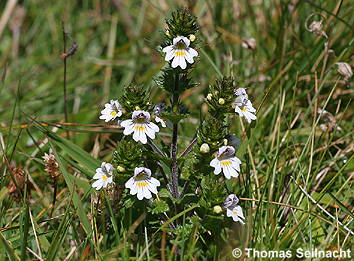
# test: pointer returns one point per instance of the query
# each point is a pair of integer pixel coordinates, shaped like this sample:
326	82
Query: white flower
241	92
227	162
103	176
158	110
244	108
231	200
142	183
236	214
233	210
141	126
180	51
111	111
161	121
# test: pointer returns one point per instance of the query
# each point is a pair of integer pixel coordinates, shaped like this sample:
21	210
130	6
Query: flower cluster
139	125
139	161
141	128
51	165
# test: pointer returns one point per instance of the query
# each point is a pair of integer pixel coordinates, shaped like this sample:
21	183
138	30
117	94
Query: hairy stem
189	148
174	166
174	161
64	80
156	149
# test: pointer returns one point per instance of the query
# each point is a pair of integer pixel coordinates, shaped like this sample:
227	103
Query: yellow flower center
139	128
234	212
104	177
244	109
113	113
225	163
180	53
142	184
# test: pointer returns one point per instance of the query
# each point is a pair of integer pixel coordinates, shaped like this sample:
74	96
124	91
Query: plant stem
174	166
156	149
55	186
64	81
174	161
189	148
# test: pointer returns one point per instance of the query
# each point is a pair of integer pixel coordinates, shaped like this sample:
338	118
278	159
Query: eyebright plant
154	173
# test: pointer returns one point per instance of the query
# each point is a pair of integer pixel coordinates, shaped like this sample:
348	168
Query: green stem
64	79
174	166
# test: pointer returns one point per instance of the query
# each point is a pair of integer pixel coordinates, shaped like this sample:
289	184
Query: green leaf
159	206
163	193
24	228
59	237
74	151
165	224
174	117
341	205
8	248
76	199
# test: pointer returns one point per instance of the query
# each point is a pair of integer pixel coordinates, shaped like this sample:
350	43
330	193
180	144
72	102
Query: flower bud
209	96
225	142
120	169
217	209
204	148
221	101
51	165
249	43
137	108
345	70
192	37
316	27
167	32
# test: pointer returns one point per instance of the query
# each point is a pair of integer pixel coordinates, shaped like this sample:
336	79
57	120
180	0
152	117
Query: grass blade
9	250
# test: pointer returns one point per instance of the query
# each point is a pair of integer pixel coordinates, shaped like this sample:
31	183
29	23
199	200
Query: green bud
181	23
204	148
135	97
223	92
217	209
120	169
192	37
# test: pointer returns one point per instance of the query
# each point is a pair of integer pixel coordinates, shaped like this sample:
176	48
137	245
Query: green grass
296	181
